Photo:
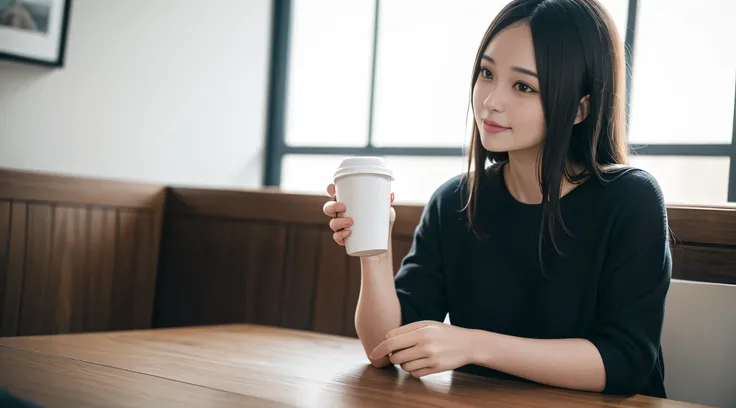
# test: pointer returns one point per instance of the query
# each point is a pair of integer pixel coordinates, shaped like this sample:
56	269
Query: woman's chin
494	145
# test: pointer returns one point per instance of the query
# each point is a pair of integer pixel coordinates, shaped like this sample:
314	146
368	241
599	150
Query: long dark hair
578	52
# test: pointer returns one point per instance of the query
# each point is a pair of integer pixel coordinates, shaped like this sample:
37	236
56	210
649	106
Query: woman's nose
494	101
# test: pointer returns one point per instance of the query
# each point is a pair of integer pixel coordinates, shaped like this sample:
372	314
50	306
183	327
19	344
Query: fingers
407	328
340	236
336	224
394	344
424	371
410	354
332	208
414	365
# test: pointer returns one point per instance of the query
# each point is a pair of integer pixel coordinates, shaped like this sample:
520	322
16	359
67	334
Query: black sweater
608	287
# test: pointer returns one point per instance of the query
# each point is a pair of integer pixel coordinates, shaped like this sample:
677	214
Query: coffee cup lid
363	165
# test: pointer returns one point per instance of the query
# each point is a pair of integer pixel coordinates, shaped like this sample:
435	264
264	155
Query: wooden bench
79	254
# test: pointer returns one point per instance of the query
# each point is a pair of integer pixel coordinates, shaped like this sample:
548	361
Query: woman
553	262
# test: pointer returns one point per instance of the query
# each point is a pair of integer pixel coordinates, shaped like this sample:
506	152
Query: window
684	73
377	104
326	34
424	64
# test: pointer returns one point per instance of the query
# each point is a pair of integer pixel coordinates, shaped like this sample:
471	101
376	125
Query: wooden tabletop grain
249	366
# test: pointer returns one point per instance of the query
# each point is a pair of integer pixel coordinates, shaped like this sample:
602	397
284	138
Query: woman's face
506	102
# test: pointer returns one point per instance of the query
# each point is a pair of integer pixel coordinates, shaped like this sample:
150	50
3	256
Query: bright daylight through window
393	79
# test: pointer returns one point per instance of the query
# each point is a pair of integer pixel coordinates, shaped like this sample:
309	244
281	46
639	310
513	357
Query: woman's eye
524	87
486	73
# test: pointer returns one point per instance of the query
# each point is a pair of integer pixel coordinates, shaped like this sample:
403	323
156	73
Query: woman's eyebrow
517	69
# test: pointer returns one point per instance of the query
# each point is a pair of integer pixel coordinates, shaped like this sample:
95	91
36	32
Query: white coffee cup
364	185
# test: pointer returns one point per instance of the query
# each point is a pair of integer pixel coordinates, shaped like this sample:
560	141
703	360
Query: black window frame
276	146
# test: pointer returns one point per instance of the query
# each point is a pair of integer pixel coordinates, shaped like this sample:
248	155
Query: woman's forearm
566	363
378	309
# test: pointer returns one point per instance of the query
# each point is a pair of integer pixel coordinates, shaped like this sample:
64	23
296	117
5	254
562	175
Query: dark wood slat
270	205
251	282
400	248
38	186
691	224
225	263
125	265
407	219
144	277
332	275
266	258
67	271
176	296
80	269
101	266
221	271
10	301
261	205
352	292
299	277
707	225
36	300
238	237
704	264
4	255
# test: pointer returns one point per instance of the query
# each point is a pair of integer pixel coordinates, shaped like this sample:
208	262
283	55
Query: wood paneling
45	187
704	264
270	205
332	279
76	254
704	225
101	268
266	260
290	272
222	270
299	277
13	274
400	248
79	254
5	222
36	300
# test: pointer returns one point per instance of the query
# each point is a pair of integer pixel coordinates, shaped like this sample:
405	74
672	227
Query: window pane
423	69
684	72
302	173
681	177
688	179
416	177
331	55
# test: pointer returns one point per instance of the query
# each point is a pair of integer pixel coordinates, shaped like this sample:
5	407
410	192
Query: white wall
698	343
166	91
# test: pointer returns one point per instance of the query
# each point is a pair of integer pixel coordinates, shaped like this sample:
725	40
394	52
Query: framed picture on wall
34	31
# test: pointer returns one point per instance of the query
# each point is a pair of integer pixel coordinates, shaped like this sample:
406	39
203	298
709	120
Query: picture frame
34	31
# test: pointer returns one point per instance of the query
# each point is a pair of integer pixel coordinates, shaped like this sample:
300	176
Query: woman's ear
583	109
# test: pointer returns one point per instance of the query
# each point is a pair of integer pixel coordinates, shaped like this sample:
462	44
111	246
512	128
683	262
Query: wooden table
249	366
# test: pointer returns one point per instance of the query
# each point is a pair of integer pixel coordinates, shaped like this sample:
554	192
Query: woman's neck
521	175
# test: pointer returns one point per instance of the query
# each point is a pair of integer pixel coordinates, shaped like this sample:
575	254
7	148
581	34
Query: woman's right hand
338	224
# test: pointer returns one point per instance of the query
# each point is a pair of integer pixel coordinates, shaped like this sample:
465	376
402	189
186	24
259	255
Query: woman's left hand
427	347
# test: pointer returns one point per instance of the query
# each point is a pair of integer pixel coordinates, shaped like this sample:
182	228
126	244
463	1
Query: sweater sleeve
633	287
420	283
